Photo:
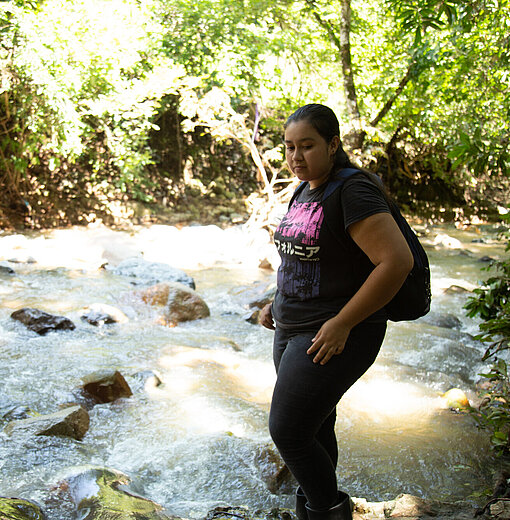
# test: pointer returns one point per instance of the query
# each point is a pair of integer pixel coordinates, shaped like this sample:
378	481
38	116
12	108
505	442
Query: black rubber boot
341	511
301	511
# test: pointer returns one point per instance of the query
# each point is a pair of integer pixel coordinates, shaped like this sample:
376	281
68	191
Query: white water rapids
191	443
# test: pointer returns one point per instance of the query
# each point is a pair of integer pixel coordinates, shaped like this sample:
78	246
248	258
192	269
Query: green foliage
494	411
84	83
85	73
492	304
416	16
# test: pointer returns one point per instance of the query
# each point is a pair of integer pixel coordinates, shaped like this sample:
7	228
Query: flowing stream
193	442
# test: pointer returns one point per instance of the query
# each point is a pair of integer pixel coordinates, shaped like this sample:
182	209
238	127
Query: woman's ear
334	144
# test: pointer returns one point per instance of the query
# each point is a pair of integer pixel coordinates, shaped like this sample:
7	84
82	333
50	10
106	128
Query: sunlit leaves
92	68
416	16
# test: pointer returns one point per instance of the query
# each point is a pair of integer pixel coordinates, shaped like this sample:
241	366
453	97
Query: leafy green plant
492	303
494	411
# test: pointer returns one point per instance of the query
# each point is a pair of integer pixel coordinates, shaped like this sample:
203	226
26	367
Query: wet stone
19	509
179	303
456	289
264	299
273	471
71	422
99	314
143	272
106	387
15	413
97	495
5	270
42	322
445	321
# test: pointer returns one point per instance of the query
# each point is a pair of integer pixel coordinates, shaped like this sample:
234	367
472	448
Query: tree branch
387	106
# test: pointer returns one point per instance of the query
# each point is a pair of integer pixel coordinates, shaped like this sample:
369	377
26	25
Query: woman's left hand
329	341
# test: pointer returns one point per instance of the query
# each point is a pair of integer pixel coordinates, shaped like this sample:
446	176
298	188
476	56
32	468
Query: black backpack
412	300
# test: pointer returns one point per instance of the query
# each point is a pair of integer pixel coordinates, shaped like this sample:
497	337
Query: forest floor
187	211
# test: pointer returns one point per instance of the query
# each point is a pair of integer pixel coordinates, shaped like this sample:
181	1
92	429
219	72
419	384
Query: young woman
328	312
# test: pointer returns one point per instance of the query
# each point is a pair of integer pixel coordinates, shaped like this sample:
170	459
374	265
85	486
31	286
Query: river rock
19	509
263	300
23	259
179	302
233	512
71	422
273	471
106	387
103	314
147	379
252	316
447	241
42	322
455	398
5	270
151	273
445	321
500	510
97	496
15	412
266	264
405	506
456	289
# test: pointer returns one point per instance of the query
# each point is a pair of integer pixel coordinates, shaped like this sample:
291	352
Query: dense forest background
128	109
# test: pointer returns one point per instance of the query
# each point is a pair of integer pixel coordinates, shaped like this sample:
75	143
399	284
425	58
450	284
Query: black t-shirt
321	266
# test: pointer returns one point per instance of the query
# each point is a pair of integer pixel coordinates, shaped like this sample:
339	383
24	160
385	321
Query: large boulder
42	322
149	273
97	495
179	303
19	509
70	422
106	387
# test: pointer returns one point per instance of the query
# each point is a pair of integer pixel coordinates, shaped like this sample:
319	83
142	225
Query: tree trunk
355	137
341	39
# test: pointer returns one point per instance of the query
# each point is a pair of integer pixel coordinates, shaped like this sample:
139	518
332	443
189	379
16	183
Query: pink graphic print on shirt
297	240
303	222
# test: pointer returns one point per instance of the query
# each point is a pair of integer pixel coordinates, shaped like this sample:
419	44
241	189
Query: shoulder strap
297	191
336	181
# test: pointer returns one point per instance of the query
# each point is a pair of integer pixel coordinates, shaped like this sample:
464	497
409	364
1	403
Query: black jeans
303	408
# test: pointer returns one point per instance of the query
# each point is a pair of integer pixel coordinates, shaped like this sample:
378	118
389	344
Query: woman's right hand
266	317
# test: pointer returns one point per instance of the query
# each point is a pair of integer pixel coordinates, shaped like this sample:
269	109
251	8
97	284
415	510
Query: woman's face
309	156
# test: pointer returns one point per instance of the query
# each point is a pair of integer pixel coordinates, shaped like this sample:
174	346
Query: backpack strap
332	206
335	182
338	179
297	191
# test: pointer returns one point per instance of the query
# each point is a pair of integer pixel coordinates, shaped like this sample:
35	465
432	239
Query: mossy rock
19	509
98	496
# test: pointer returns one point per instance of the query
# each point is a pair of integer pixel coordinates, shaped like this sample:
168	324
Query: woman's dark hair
325	122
